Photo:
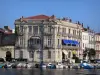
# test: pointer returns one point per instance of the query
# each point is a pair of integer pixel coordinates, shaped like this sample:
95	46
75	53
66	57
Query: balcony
48	33
33	47
34	34
59	46
69	47
59	33
20	33
91	42
97	41
17	46
48	46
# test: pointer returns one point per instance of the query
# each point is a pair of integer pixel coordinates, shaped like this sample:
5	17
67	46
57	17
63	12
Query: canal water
48	72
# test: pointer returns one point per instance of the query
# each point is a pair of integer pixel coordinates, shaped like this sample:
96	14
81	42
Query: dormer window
30	20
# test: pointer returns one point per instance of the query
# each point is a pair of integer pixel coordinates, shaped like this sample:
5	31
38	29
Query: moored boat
86	66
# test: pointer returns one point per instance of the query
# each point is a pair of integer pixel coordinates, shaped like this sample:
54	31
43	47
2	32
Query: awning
73	42
76	42
66	41
65	52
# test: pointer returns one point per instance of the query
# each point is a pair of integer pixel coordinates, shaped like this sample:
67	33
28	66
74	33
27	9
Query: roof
4	31
40	17
97	33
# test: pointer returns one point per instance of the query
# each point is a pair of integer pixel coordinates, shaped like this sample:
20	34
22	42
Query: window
64	30
31	54
21	28
35	29
74	32
58	54
83	37
49	54
69	31
58	41
21	54
58	29
79	33
49	41
30	29
21	41
30	20
83	45
49	29
69	54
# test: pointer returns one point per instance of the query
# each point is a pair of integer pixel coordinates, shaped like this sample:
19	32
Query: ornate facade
61	38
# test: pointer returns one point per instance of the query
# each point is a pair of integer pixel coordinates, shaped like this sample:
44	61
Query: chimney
70	20
6	27
88	27
82	24
22	17
53	17
63	19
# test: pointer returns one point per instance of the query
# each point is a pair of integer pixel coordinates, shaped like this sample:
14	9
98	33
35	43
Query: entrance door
8	56
63	57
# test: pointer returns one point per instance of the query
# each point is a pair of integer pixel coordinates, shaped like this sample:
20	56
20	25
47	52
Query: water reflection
48	72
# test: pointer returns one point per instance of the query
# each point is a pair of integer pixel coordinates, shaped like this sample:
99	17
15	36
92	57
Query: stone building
62	38
97	45
88	39
7	42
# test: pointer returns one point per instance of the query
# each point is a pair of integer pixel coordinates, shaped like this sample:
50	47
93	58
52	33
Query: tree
90	52
85	53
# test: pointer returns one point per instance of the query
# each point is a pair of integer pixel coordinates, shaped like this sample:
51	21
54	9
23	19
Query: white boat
44	66
30	65
9	65
51	66
19	65
59	66
24	65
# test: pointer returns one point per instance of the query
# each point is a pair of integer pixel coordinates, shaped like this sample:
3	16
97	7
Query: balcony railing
17	46
34	46
97	41
48	33
70	35
59	46
70	47
34	34
48	46
20	33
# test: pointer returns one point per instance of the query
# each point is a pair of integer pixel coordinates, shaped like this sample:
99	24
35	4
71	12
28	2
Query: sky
85	11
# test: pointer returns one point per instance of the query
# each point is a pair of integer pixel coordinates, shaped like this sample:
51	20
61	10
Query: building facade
97	45
88	39
61	38
85	41
7	42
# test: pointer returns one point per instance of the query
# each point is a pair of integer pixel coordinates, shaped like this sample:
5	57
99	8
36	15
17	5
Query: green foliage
77	60
16	30
90	52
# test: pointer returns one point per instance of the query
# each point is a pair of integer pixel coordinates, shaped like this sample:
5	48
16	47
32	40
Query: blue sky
85	11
